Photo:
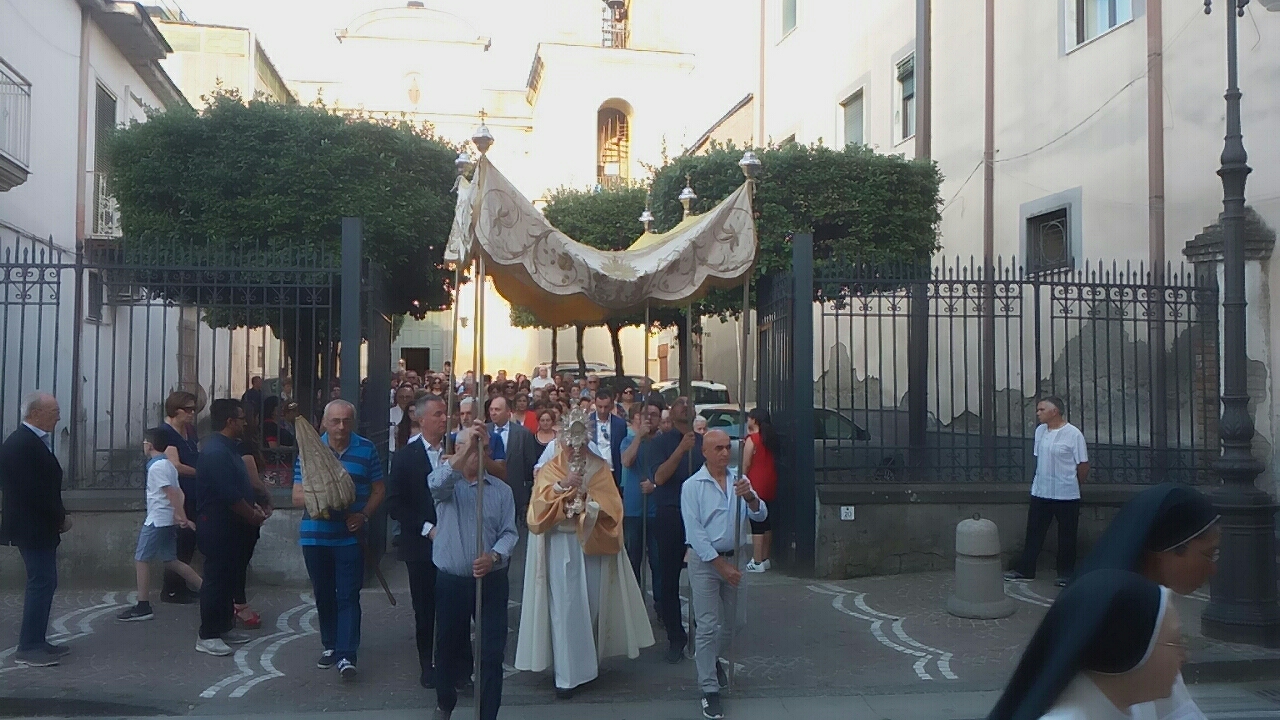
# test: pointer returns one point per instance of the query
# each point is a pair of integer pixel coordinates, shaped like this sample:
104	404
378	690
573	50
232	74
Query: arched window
613	146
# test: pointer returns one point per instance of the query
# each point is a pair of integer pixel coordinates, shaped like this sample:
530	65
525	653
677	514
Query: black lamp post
1243	607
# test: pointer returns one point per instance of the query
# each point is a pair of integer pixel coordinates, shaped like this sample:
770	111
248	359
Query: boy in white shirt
158	538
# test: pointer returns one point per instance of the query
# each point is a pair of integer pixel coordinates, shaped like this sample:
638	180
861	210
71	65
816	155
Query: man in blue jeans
455	486
331	548
33	520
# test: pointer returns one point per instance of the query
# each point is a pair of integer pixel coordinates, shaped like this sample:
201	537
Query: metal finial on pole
687	195
482	138
646	217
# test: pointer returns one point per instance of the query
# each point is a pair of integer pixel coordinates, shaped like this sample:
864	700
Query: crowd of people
603	488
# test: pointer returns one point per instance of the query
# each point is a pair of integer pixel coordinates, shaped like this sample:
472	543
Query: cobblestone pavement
805	638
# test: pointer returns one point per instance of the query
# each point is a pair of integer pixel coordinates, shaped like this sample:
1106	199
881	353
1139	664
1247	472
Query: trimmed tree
261	179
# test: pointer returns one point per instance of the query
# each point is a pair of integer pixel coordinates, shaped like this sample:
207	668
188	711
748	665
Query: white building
597	97
1074	145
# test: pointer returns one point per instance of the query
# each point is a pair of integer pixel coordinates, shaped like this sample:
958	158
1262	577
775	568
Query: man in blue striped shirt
331	548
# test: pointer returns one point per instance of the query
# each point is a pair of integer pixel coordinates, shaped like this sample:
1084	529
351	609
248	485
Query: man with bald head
33	520
712	500
331	547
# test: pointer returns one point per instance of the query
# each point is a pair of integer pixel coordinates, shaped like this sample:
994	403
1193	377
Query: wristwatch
497	556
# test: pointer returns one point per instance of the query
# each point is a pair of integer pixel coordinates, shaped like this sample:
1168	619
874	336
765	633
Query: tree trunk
555	350
614	330
579	331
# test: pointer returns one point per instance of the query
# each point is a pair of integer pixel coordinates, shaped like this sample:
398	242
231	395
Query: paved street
871	647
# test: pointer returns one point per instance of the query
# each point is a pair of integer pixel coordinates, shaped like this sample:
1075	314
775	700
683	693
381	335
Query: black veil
1107	621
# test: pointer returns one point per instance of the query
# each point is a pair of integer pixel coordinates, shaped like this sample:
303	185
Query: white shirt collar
502	428
39	433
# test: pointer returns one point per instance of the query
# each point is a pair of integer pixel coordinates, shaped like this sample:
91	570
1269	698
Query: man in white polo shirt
1062	463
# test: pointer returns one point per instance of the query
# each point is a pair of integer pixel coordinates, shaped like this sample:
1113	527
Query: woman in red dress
758	459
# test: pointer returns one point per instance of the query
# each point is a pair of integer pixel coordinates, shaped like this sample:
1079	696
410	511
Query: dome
414	22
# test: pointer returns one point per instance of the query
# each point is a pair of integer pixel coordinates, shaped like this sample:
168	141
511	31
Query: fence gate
930	373
111	332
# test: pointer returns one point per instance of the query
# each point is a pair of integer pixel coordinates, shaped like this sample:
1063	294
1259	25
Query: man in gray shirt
453	487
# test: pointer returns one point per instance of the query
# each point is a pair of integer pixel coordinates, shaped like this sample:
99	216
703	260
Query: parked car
571	367
838	442
617	384
704	393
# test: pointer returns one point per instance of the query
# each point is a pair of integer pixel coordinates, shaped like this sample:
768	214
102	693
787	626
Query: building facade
607	93
206	58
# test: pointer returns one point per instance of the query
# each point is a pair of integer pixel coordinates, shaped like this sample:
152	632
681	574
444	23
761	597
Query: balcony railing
15	127
106	211
616	30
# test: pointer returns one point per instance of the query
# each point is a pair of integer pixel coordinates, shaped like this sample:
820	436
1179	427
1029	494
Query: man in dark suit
515	452
409	502
33	520
610	429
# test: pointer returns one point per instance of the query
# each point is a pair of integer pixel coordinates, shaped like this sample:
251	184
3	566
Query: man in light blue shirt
710	505
454	485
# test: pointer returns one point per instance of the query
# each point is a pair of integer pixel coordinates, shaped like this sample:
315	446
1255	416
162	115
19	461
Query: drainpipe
924	79
1155	230
987	395
759	99
75	409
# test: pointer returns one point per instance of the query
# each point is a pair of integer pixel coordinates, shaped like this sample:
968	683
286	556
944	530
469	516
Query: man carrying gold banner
581	601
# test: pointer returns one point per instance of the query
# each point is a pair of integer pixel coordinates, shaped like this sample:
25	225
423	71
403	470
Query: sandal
248	618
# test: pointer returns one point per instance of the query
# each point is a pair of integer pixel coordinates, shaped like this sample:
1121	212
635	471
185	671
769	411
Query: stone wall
900	529
98	552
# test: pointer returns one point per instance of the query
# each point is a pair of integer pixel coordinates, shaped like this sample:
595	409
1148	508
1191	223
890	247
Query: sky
298	35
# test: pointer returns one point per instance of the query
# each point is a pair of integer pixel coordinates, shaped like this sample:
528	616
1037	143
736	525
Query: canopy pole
451	391
644	497
742	471
482	444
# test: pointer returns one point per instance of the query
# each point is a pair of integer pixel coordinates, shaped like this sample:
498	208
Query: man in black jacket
33	520
409	502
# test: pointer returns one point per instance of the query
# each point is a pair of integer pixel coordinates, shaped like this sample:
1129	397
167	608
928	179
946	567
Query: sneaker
327	660
347	669
213	646
1062	582
674	654
235	637
711	708
35	658
57	650
754	567
722	674
1015	576
141	611
182	597
440	714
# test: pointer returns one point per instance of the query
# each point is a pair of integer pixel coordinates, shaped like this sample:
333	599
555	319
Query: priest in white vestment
581	600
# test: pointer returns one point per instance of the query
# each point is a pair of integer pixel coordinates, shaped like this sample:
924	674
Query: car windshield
701	395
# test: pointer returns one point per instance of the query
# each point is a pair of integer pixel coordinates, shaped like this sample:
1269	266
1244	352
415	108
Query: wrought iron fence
1133	355
112	332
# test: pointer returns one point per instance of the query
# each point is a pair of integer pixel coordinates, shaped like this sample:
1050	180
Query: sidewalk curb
1231	671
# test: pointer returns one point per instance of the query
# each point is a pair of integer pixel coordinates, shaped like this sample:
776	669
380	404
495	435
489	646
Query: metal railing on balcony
616	30
105	222
15	115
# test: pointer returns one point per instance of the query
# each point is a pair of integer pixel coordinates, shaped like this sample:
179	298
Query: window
907	93
788	15
851	110
613	147
95	298
1049	241
1096	17
106	214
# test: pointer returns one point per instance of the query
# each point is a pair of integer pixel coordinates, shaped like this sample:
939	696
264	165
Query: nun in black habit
1110	641
1170	535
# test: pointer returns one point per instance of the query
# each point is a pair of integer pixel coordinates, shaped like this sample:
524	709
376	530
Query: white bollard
979	591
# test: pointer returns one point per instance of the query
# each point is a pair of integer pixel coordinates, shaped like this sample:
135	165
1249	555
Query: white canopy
564	282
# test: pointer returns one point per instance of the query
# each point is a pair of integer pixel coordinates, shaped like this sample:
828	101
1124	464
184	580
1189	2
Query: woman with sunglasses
625	400
1170	535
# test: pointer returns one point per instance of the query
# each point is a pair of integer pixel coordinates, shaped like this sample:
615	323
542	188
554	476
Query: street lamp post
1243	607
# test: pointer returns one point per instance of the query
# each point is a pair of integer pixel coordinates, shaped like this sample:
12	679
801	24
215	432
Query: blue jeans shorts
157	543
